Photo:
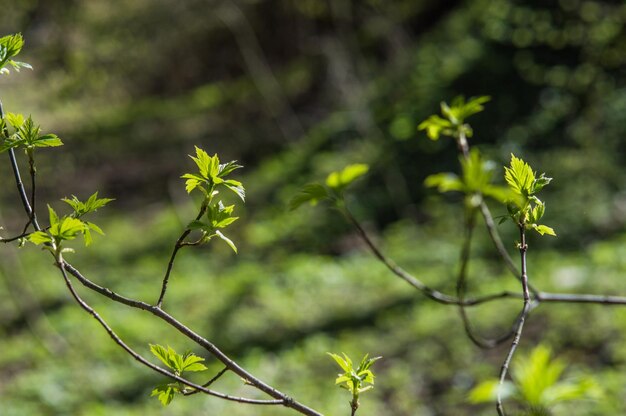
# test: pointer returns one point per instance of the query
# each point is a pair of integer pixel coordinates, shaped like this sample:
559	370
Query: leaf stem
523	247
179	244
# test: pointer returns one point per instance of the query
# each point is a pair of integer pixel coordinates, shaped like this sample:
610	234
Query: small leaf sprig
355	380
187	362
537	384
68	227
25	134
10	46
210	177
475	181
526	209
335	184
452	123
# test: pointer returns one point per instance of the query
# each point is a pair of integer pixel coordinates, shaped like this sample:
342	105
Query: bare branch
461	288
415	282
208	383
523	247
61	265
193	336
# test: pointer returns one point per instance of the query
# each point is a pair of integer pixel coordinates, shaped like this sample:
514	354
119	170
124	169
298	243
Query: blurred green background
293	90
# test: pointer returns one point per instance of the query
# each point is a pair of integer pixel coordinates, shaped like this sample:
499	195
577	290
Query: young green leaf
10	46
15	120
354	379
193	181
540	182
39	237
192	362
162	354
236	187
312	193
92	204
520	176
226	168
211	174
444	182
341	179
487	391
344	362
536	384
165	393
220	216
435	126
544	229
454	115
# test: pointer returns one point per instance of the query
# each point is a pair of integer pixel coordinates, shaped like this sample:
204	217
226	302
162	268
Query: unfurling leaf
227	240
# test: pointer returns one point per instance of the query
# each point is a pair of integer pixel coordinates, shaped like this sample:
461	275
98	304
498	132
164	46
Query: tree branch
179	244
193	336
61	265
461	288
208	383
523	247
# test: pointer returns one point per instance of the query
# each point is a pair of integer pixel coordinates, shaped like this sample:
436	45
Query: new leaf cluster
332	190
18	131
211	176
10	46
187	362
355	380
526	210
453	122
68	227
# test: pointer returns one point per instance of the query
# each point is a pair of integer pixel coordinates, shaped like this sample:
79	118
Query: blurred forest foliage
294	89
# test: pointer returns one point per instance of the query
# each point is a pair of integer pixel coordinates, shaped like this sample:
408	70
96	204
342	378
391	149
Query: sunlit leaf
544	229
341	179
312	193
165	393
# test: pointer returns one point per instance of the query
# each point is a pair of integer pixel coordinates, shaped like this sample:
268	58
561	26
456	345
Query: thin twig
523	247
179	244
17	176
461	288
33	183
415	282
580	298
463	146
208	383
17	237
